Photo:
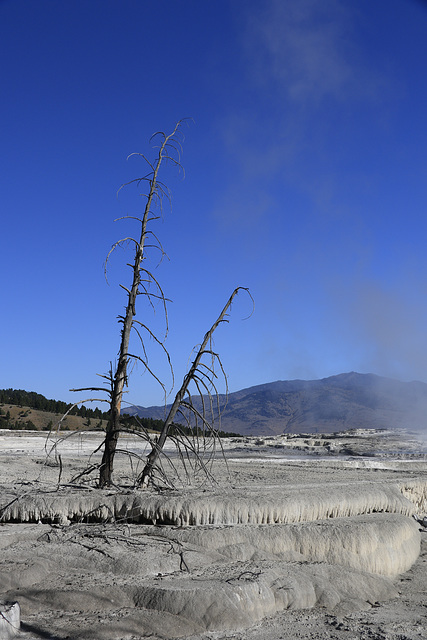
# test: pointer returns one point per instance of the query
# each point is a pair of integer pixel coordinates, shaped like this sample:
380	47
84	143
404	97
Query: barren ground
243	570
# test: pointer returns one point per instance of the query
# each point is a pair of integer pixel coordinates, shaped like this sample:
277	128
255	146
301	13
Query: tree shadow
38	632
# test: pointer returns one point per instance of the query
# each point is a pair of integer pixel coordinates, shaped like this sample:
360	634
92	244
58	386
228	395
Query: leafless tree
143	282
203	375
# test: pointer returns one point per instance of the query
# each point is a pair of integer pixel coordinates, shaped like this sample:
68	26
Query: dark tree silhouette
143	283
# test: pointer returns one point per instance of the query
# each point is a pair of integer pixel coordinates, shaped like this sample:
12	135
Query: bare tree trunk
144	283
120	376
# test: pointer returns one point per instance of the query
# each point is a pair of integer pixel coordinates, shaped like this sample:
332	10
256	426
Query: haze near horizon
305	181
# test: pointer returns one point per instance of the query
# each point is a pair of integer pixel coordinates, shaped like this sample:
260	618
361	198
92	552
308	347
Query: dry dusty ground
286	546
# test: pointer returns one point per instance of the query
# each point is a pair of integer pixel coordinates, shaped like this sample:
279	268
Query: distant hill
345	401
29	411
23	417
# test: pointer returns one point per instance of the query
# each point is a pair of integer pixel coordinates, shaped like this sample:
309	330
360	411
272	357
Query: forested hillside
20	409
37	401
29	410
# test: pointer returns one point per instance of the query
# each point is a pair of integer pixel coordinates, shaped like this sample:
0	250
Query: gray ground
83	580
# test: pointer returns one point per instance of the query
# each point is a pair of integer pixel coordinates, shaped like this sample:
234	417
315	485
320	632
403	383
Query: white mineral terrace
294	522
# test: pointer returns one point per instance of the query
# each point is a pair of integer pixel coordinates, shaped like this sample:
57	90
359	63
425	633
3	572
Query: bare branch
90	399
197	447
151	460
119	243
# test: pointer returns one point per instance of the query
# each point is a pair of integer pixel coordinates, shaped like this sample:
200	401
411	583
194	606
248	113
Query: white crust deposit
192	561
263	505
386	544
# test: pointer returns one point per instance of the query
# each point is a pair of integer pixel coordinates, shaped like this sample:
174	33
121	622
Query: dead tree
143	283
203	377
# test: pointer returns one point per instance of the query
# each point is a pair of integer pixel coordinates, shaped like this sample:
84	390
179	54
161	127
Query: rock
10	620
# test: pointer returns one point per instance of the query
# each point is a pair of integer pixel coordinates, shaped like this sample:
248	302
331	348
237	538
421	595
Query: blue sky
305	180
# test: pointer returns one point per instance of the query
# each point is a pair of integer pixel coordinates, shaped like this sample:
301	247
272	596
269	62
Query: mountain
341	402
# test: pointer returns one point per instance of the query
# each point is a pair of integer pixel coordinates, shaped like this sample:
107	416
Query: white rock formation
416	491
248	596
222	559
263	505
10	620
385	544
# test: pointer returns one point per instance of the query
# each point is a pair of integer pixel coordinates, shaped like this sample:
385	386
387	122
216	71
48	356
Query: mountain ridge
340	402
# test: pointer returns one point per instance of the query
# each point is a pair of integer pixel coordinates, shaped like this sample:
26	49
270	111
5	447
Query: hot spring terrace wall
266	505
